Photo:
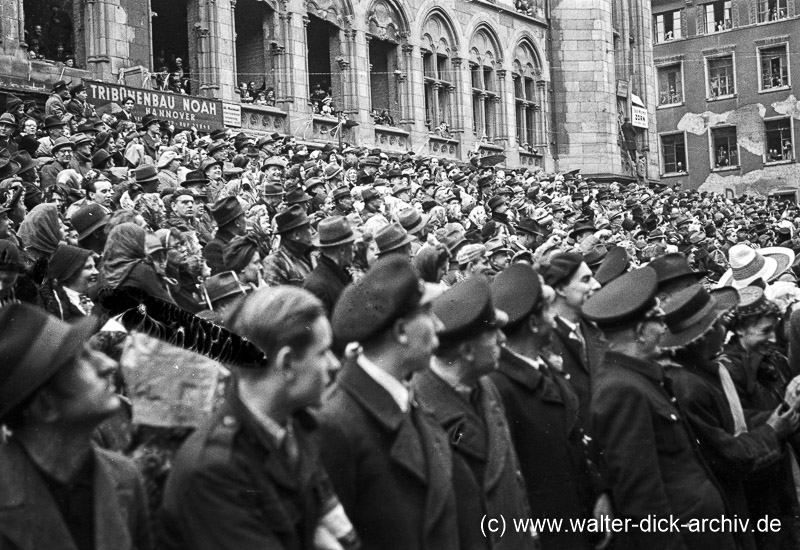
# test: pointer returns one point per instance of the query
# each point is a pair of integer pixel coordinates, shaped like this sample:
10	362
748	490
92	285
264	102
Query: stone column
458	96
504	101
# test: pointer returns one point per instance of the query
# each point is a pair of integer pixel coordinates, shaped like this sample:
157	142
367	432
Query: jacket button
674	400
673	417
228	421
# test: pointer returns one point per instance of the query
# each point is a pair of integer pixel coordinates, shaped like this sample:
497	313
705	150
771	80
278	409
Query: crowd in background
490	340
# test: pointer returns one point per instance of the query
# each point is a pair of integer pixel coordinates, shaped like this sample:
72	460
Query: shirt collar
74	298
274	430
396	389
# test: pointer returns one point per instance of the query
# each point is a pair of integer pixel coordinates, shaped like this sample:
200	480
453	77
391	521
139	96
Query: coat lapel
516	368
571	344
111	525
406	449
440	468
498	438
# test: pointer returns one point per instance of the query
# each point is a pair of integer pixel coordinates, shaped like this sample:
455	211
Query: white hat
749	265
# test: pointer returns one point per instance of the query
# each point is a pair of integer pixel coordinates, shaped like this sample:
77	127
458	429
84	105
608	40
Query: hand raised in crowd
784	421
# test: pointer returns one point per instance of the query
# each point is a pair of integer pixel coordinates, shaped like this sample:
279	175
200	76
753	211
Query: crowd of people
418	347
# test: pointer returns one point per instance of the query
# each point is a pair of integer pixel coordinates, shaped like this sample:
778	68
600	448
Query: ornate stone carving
384	22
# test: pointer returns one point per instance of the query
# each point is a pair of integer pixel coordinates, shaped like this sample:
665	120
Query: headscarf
427	262
124	251
239	252
40	230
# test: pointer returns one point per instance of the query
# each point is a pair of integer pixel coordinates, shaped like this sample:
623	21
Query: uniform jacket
30	518
653	464
287	265
391	470
486	473
231	488
327	281
542	412
579	368
729	456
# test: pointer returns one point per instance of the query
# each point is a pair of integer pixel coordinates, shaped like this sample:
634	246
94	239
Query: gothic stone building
544	83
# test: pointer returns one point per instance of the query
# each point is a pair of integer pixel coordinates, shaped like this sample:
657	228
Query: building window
720	77
717	16
668	26
383	83
670	85
49	32
725	149
324	46
774	67
772	10
779	140
529	99
673	148
171	65
254	21
438	87
485	86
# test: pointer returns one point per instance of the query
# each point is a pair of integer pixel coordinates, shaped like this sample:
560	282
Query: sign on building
638	112
232	114
183	111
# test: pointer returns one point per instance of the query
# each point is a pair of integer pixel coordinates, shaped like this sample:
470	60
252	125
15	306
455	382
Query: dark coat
542	412
486	473
730	457
327	281
214	250
578	367
653	464
30	518
230	487
392	471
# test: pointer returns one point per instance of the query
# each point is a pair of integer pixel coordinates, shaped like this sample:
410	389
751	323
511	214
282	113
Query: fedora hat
25	161
369	194
222	285
691	312
331	171
53	122
412	221
292	218
582	226
341	193
391	237
147	120
80	139
530	226
100	157
333	231
62	142
312	183
34	347
89	218
8	167
749	265
296	196
225	210
195	177
672	266
146	173
208	163
216	146
271	190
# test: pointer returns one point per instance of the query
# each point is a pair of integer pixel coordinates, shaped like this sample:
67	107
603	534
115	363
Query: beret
517	291
470	253
466	309
388	291
623	301
561	268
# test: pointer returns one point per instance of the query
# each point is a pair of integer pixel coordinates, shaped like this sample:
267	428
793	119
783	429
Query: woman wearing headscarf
126	266
71	272
40	234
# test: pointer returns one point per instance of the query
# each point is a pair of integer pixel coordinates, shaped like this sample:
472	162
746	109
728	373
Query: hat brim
316	242
420	225
783	258
395	246
293	225
721	304
48	360
92	228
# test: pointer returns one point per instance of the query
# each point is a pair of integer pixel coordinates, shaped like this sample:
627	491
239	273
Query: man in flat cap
486	473
389	461
654	466
57	490
250	477
542	411
576	341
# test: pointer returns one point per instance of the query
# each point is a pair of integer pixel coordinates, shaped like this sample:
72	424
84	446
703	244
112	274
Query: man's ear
43	407
283	362
399	331
467	351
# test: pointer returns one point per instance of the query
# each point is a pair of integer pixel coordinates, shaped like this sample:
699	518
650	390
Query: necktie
739	424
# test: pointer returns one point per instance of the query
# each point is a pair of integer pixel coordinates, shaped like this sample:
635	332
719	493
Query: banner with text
181	110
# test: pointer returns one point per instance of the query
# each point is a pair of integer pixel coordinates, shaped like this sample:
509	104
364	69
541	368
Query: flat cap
388	291
517	291
470	253
623	301
561	268
466	309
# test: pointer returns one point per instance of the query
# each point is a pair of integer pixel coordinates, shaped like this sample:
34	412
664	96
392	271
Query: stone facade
728	73
545	87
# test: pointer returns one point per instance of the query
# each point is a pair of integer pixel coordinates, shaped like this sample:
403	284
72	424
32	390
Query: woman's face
754	336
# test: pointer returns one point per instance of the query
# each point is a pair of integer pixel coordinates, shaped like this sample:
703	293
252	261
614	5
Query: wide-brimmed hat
8	167
53	122
749	265
146	173
691	312
582	226
333	231
100	157
80	139
391	237
34	347
25	161
341	193
226	209
62	142
147	120
412	221
331	171
195	177
292	218
296	196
